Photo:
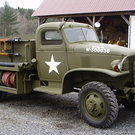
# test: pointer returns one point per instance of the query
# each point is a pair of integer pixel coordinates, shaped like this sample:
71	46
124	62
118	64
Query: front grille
125	65
132	69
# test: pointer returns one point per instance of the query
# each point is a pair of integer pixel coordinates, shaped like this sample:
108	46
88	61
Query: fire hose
8	79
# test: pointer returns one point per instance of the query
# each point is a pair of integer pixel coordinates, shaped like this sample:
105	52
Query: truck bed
16	53
16	67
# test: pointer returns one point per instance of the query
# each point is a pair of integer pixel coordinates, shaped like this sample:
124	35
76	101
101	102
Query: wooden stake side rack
5	51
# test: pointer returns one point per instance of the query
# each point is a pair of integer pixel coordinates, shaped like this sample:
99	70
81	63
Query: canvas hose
12	79
8	79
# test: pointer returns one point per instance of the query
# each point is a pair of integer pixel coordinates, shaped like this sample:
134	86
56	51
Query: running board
49	90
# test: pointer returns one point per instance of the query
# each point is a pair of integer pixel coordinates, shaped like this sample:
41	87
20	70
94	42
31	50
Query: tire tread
111	100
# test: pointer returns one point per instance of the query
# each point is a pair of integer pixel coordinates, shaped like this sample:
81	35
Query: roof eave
131	12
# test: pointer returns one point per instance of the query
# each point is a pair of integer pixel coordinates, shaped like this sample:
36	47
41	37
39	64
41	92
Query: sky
32	4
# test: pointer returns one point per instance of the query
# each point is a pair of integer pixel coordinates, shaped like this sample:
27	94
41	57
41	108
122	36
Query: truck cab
72	50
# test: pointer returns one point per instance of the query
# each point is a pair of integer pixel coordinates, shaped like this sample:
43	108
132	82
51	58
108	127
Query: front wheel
98	104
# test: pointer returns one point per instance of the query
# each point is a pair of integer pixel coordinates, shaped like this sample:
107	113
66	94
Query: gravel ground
43	114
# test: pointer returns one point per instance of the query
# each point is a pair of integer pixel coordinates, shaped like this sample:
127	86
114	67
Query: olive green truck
68	57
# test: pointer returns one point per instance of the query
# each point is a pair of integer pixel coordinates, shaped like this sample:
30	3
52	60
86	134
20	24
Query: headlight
120	65
116	65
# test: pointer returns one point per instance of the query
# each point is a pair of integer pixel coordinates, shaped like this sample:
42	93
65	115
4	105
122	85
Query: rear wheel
3	95
98	104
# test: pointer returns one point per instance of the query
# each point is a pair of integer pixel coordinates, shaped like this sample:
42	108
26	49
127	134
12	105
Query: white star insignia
52	65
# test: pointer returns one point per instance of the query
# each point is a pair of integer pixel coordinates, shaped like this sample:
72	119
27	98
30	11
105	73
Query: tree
29	14
7	20
21	11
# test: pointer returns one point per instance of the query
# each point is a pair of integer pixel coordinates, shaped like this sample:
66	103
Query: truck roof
58	25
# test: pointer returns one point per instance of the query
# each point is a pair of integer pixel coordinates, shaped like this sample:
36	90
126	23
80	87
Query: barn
115	18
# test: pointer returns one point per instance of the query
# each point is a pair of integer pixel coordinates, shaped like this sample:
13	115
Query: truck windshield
80	34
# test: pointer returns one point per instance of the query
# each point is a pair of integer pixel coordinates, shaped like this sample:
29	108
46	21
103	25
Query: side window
51	38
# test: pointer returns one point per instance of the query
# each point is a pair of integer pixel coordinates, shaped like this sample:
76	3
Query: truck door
51	55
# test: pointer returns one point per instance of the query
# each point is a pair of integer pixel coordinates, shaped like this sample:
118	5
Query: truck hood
91	47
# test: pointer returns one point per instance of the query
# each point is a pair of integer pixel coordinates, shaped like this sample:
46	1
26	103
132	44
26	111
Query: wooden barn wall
114	28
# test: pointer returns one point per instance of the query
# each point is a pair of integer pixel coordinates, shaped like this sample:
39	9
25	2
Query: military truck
67	57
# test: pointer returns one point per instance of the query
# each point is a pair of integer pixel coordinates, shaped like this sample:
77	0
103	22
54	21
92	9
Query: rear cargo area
16	67
16	51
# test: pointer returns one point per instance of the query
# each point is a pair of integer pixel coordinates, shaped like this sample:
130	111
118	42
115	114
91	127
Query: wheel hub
95	105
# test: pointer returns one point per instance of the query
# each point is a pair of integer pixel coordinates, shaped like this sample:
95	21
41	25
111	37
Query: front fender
99	70
78	77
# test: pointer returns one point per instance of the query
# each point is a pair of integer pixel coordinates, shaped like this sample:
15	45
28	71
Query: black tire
98	104
3	95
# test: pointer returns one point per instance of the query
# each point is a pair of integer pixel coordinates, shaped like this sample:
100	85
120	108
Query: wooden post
38	21
93	21
90	21
131	33
63	19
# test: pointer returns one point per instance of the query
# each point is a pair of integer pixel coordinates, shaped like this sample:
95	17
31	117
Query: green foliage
16	21
7	20
52	20
29	14
21	10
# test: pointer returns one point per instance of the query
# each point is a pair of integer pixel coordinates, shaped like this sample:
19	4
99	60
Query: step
8	89
49	90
